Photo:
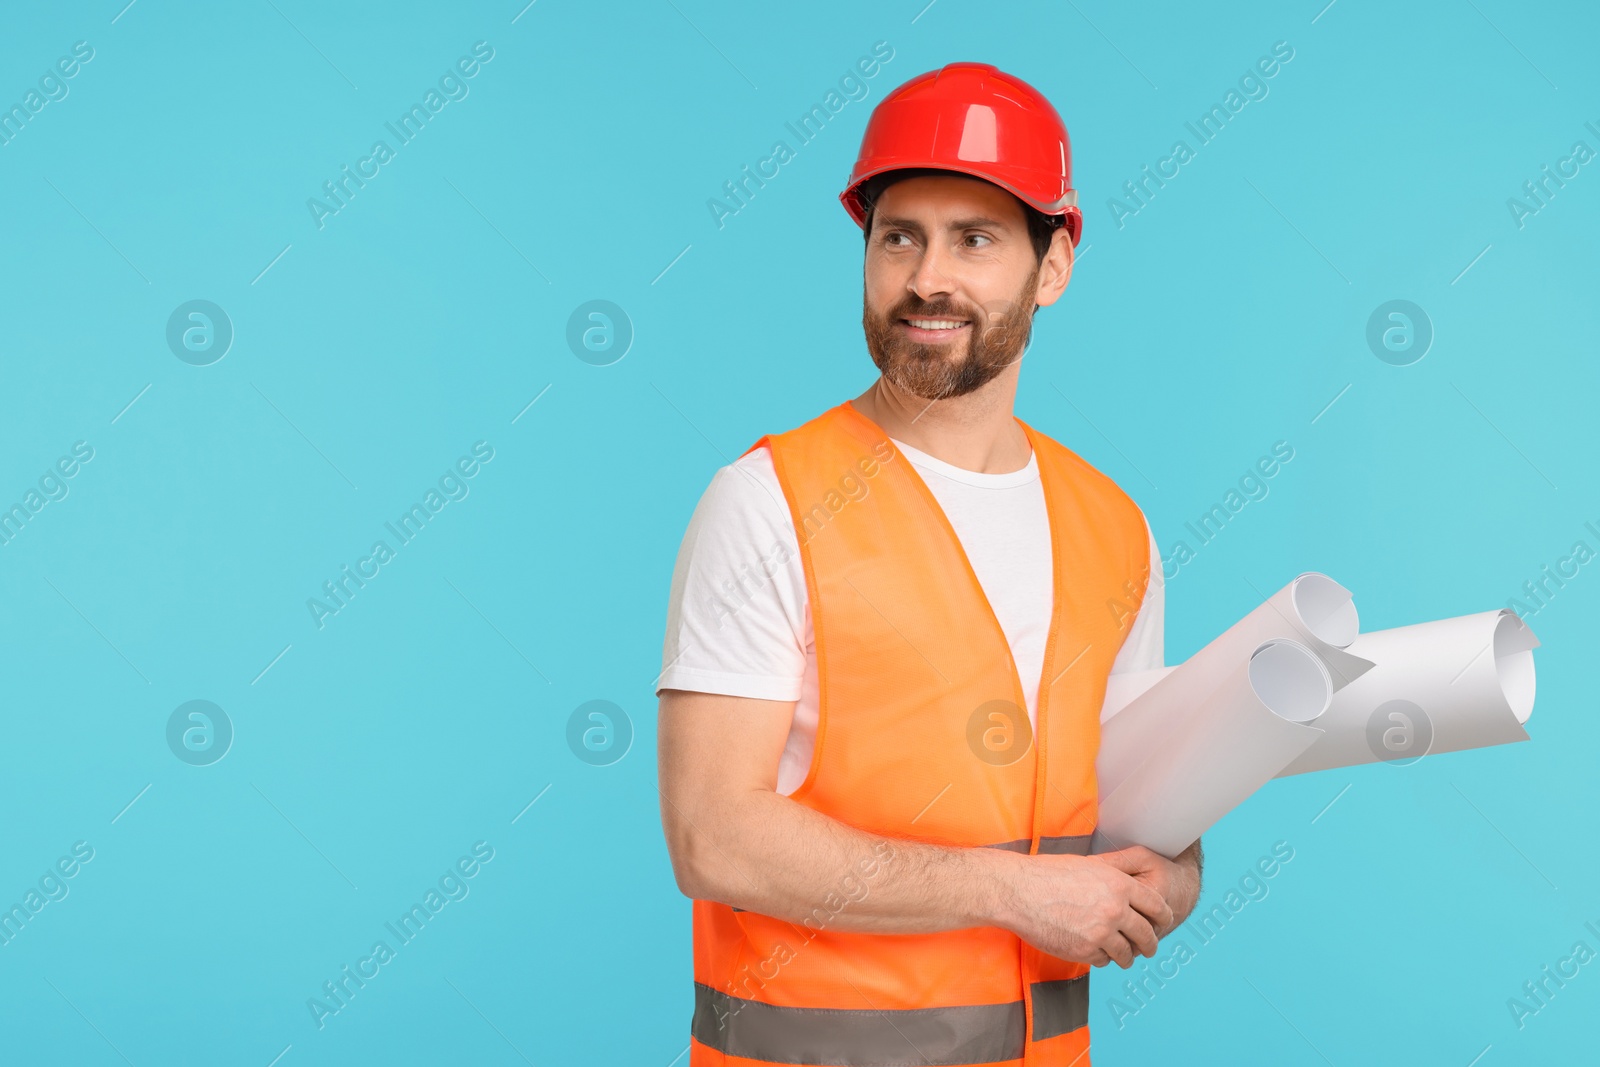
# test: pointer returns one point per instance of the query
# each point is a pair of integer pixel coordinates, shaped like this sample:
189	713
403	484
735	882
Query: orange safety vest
923	735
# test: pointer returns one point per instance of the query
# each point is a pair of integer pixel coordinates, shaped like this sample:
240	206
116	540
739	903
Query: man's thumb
1130	860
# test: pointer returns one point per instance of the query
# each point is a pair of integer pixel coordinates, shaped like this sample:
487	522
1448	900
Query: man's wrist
1188	862
995	902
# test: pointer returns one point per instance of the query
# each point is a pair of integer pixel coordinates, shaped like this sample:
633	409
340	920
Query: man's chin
920	385
916	352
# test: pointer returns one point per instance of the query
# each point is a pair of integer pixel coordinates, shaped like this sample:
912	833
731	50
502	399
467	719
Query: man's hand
1078	908
1177	880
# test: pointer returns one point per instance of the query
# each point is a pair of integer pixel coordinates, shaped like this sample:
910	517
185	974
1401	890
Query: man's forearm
783	859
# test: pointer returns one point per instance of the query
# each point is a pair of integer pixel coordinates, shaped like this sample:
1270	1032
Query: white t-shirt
739	617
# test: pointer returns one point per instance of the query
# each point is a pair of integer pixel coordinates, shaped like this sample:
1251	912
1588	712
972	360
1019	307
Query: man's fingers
1140	933
1151	904
1120	949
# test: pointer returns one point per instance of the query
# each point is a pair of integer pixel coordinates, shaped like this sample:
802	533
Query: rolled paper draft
1237	732
1442	686
1124	687
1312	610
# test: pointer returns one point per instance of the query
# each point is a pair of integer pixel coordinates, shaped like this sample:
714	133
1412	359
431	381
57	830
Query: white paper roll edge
1471	677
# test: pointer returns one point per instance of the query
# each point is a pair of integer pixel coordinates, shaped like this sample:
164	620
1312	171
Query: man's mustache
945	310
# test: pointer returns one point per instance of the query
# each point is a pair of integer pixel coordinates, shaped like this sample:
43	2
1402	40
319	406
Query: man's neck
976	432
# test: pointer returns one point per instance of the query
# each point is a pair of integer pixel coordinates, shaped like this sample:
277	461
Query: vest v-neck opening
978	479
1056	606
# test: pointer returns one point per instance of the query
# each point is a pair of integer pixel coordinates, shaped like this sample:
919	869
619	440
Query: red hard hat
975	119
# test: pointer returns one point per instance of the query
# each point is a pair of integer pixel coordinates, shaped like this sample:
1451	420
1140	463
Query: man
887	650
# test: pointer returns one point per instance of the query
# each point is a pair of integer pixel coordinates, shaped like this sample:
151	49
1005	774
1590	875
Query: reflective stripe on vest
1059	845
914	672
961	1034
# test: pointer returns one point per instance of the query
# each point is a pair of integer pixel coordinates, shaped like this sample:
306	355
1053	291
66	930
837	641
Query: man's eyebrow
976	222
891	223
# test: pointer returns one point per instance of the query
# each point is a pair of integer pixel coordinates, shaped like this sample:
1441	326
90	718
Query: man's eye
976	237
889	238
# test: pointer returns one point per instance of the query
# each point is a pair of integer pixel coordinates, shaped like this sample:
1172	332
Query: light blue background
430	311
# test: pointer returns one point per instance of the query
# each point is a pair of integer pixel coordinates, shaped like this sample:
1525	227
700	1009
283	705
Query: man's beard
996	338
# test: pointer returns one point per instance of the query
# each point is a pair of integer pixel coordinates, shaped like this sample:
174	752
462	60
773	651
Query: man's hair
1041	227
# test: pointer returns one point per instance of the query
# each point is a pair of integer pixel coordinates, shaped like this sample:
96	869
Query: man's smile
932	331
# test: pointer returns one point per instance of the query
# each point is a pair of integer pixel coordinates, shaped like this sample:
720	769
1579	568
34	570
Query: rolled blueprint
1240	724
1124	687
1444	686
1312	610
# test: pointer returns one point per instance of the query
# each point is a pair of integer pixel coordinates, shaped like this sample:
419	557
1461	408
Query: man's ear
1056	269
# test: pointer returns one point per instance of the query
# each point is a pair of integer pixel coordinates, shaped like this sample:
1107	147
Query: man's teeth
937	324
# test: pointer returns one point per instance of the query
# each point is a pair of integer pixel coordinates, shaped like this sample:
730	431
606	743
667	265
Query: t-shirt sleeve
737	614
1144	649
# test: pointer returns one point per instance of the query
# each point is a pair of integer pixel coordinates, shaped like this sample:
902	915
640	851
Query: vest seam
1090	470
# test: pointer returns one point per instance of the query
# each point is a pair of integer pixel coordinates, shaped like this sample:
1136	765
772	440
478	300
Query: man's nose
931	278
